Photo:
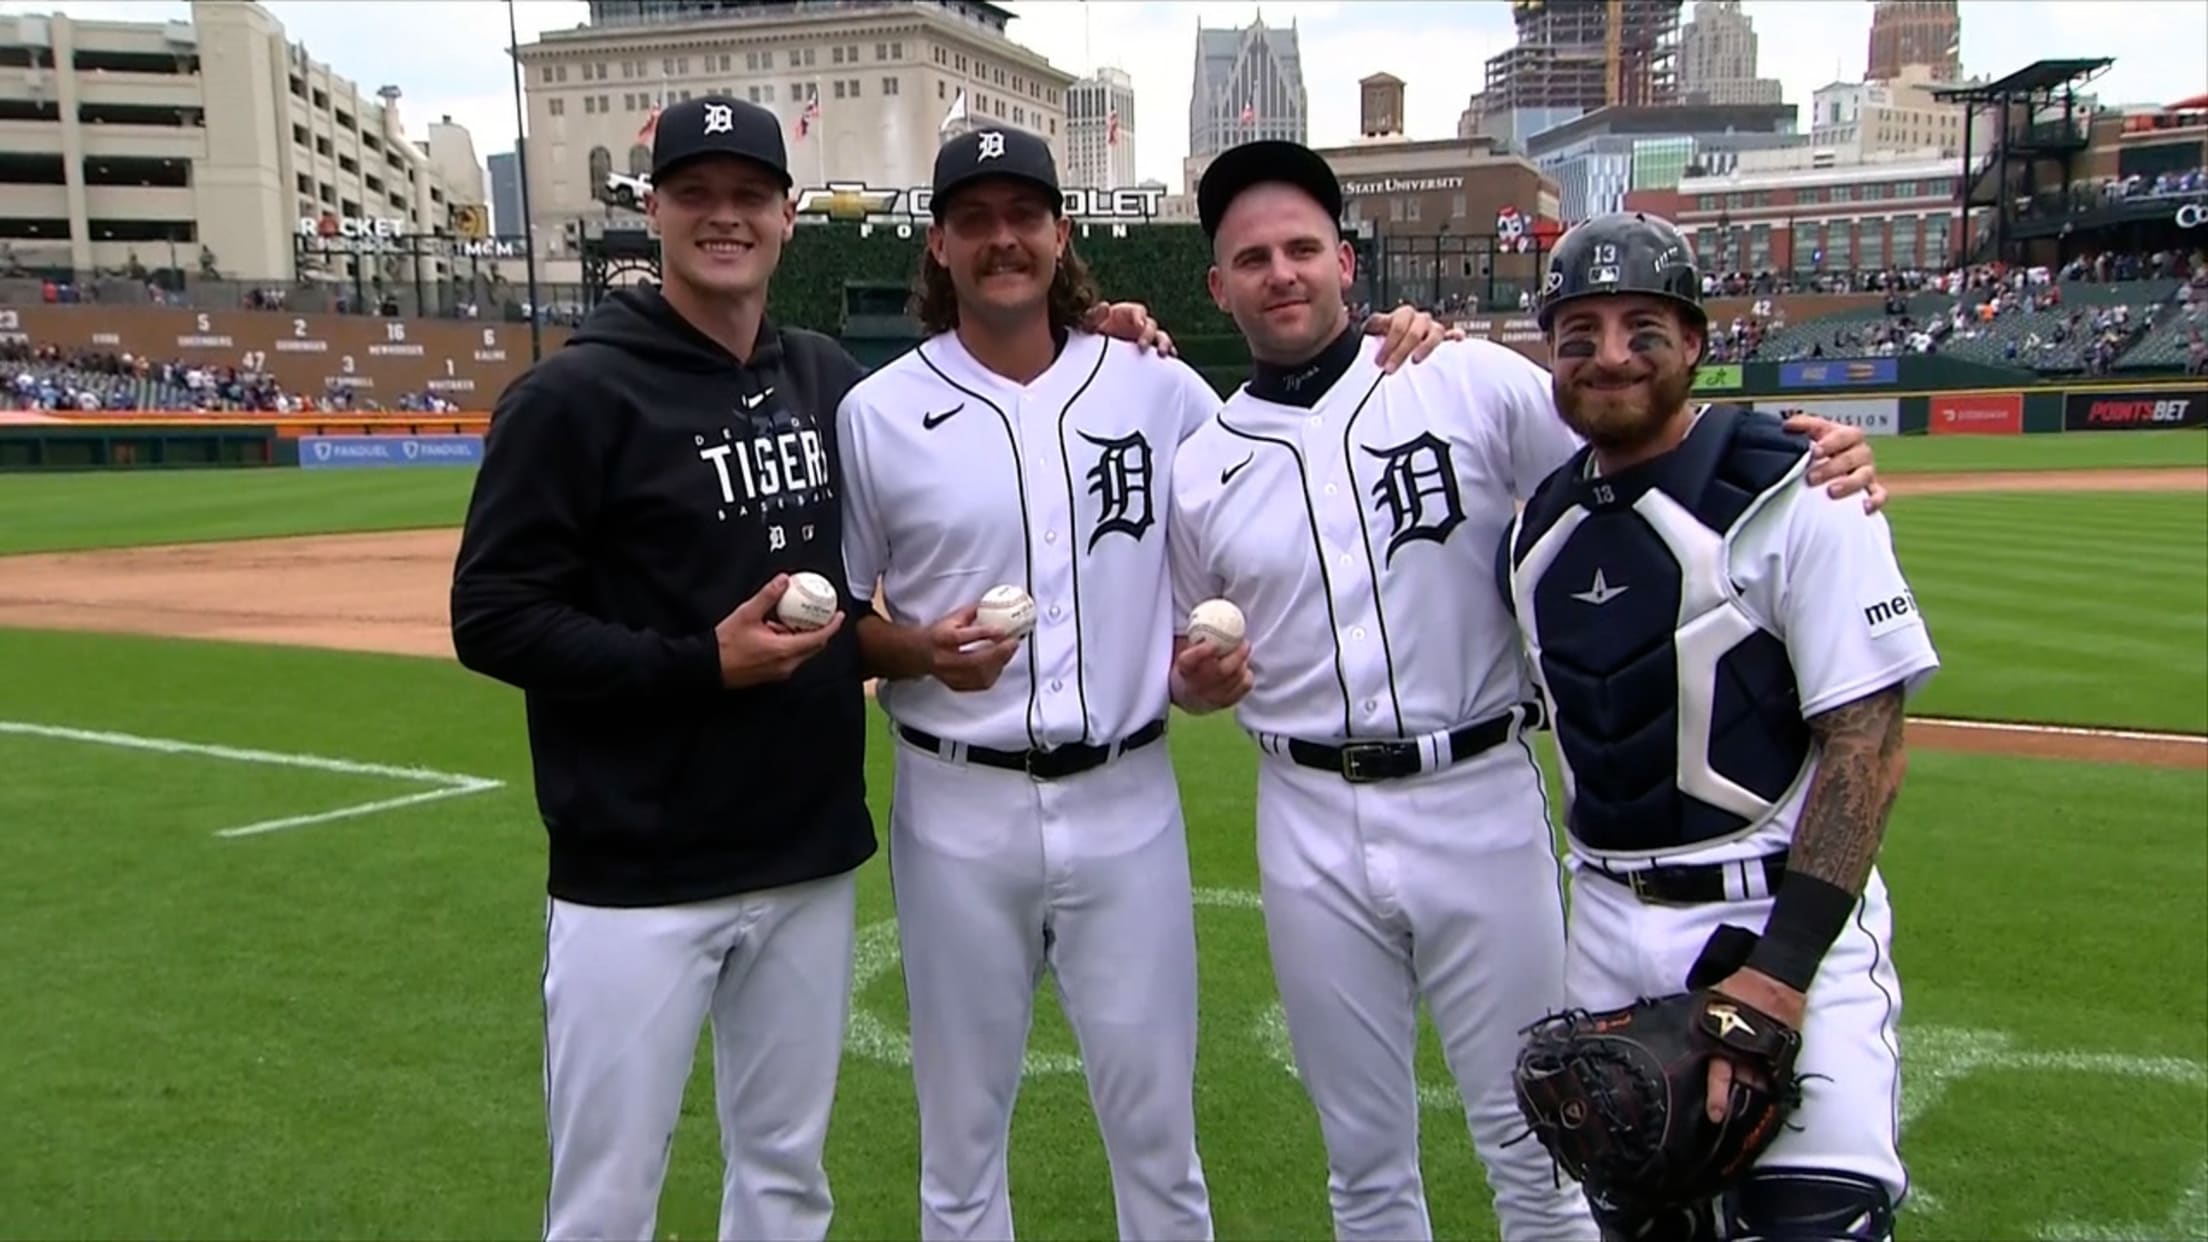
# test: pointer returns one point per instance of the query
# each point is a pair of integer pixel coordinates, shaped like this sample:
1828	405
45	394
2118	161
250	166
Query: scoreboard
463	361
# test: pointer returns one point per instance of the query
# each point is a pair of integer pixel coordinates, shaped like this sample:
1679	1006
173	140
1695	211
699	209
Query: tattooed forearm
1844	817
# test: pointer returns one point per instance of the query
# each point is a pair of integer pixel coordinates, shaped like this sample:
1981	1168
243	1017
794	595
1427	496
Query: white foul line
2004	726
449	784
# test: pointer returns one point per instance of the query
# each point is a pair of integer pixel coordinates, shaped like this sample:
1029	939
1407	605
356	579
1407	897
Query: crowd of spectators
50	378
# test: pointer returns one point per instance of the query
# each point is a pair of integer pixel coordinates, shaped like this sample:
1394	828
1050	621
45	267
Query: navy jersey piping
1311	515
1073	555
1027	533
1364	530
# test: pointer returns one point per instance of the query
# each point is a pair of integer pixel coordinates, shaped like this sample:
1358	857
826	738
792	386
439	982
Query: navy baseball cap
719	125
1253	163
984	153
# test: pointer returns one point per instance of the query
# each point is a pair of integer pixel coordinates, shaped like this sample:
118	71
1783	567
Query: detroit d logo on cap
718	119
992	145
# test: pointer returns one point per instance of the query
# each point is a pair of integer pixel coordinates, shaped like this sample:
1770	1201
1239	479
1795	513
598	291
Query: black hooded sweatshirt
636	486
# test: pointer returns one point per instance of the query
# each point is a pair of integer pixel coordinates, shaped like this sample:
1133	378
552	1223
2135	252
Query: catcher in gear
1726	650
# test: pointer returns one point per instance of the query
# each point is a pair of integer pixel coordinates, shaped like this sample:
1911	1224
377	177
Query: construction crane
1613	61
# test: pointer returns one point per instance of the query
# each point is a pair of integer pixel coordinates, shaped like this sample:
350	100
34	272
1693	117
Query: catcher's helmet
1623	252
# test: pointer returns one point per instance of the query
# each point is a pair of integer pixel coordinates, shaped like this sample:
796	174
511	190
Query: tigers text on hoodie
636	486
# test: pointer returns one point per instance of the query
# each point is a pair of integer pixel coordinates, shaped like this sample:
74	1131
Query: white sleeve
1198	401
1847	614
865	543
1193	582
1534	437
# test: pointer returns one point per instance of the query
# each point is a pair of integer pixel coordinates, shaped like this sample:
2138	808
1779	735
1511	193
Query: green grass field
2073	608
334	1030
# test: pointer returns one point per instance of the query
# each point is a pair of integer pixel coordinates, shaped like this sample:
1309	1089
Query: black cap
719	125
1622	252
1238	168
981	153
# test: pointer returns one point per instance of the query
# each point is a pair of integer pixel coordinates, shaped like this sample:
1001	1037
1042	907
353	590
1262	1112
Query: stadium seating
2167	344
2069	327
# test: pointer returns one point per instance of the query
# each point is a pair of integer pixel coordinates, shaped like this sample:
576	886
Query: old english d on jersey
637	486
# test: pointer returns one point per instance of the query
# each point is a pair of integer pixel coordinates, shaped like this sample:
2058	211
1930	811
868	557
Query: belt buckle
1033	755
1637	880
1354	770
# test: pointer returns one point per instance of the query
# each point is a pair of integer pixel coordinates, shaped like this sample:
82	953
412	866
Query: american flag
1249	113
651	125
1111	128
807	118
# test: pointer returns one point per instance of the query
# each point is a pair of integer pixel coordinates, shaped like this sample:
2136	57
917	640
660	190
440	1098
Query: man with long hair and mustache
1035	824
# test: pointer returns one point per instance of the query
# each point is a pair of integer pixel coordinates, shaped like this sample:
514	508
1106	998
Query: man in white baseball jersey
1035	823
1403	843
1727	654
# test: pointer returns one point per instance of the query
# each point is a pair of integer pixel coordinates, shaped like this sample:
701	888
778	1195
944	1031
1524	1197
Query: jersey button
1372	706
1331	489
1056	684
1056	612
1357	631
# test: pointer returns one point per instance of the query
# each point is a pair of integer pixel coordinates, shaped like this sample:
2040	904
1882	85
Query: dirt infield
387	593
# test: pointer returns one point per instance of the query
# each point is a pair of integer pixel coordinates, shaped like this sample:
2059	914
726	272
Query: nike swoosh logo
1235	469
931	421
752	402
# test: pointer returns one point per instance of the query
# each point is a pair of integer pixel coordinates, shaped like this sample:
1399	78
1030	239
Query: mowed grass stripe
72	511
2040	614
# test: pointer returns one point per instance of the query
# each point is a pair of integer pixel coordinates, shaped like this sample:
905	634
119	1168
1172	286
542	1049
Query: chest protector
1675	709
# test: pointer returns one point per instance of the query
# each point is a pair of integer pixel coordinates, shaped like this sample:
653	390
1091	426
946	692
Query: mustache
1590	376
1007	261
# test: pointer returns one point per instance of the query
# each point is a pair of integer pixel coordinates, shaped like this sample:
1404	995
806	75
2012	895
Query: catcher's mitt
1618	1097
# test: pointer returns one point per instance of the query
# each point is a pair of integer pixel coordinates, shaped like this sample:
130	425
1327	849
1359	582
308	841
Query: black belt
1361	763
1046	765
1696	885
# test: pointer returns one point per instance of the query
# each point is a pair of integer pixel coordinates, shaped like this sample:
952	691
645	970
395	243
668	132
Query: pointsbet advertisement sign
2136	410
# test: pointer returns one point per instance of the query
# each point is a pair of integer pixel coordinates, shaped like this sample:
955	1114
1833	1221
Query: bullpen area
276	904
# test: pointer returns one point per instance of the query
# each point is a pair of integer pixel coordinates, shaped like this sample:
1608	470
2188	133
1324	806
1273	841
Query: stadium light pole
521	168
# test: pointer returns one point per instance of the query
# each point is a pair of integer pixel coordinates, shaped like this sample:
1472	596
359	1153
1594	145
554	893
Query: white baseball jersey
1817	573
957	480
1359	537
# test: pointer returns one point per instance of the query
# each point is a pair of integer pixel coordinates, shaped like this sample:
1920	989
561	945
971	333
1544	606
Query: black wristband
1805	919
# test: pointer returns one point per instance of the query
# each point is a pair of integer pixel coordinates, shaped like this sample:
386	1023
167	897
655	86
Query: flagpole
521	164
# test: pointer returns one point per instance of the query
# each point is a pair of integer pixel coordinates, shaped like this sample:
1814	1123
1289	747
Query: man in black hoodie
646	496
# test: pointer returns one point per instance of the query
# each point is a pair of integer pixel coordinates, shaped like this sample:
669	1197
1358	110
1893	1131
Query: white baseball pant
999	878
626	991
1443	886
1850	1119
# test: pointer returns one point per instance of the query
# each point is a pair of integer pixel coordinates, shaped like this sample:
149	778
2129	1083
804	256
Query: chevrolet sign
857	202
847	201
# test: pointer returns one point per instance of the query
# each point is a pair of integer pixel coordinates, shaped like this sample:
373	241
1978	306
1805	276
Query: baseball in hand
1218	622
1008	610
808	603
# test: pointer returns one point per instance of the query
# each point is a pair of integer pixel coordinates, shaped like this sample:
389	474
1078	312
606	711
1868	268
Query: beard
1618	420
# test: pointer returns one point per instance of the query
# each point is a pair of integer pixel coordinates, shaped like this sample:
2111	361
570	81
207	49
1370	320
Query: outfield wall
198	441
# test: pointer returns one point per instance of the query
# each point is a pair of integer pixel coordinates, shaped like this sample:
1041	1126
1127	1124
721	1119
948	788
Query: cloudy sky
448	56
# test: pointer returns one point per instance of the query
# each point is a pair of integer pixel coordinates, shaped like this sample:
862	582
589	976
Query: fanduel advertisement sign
390	452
